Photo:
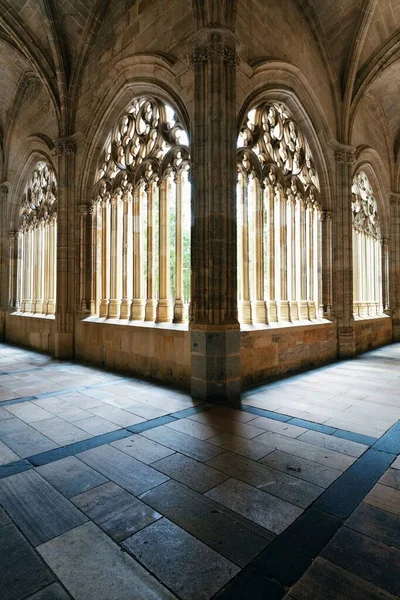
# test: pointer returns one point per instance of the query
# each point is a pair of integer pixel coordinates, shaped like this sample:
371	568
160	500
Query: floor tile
390	442
92	567
22	572
325	580
60	431
124	470
116	511
264	509
391	478
70	476
235	427
116	415
293	490
29	412
96	425
231	413
396	463
384	497
7	455
51	592
228	533
302	468
379	524
249	448
377	563
30	442
197	449
193	570
278	427
333	443
146	411
355	427
37	508
143	449
323	456
195	475
194	429
4	518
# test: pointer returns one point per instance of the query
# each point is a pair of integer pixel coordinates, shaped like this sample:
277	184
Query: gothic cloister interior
199	299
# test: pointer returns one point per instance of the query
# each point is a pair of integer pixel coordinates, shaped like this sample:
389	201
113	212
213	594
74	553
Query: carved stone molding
345	157
202	54
40	197
64	146
364	207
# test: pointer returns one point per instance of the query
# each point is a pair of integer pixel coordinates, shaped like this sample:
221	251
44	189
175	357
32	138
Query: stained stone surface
70	476
189	567
93	567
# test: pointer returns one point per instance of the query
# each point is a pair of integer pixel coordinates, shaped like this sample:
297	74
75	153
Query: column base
63	344
284	310
259	311
303	310
346	342
245	307
104	308
272	311
137	309
165	311
215	366
293	311
150	310
125	309
179	315
114	308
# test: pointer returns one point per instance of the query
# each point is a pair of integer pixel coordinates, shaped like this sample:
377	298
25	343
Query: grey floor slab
236	538
21	570
7	455
96	425
92	567
4	518
51	592
302	468
37	508
296	491
264	509
29	442
322	456
196	430
116	511
116	415
61	431
147	411
142	448
195	475
183	443
187	566
71	476
334	443
29	412
249	448
124	470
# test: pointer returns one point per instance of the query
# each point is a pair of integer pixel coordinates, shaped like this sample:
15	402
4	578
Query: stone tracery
278	198
142	216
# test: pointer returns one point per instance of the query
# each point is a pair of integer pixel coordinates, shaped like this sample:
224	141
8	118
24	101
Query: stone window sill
141	324
33	316
285	325
372	317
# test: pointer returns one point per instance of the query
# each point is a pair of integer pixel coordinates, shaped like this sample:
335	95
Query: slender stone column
178	308
116	255
342	251
138	303
4	295
272	304
12	269
385	275
215	332
164	306
303	305
152	202
243	201
127	251
65	149
105	256
394	264
259	309
326	248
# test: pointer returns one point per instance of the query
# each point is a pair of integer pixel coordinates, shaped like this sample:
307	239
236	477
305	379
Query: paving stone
390	442
124	470
278	427
60	431
116	415
37	508
231	413
384	497
192	570
70	476
333	443
96	425
196	430
29	412
143	449
323	456
235	427
5	414
4	518
377	563
325	580
116	511
264	509
52	592
227	532
249	448
391	478
301	468
21	570
201	451
7	455
147	411
12	426
378	524
29	442
195	475
92	567
296	491
396	463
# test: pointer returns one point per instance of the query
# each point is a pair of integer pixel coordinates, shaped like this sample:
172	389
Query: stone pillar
385	275
326	237
65	150
342	252
214	326
394	264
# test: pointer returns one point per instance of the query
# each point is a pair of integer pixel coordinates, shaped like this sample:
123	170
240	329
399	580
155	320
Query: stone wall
272	352
372	333
157	352
30	331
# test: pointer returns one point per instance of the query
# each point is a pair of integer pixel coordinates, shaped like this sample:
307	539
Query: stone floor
113	488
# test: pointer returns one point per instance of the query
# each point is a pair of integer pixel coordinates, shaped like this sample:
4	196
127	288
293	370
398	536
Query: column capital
64	145
215	42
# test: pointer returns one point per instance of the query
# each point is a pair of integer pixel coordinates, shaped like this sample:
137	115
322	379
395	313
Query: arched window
279	228
142	217
37	244
367	249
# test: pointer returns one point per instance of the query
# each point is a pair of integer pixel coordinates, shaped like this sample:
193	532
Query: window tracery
279	203
37	243
367	249
142	216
